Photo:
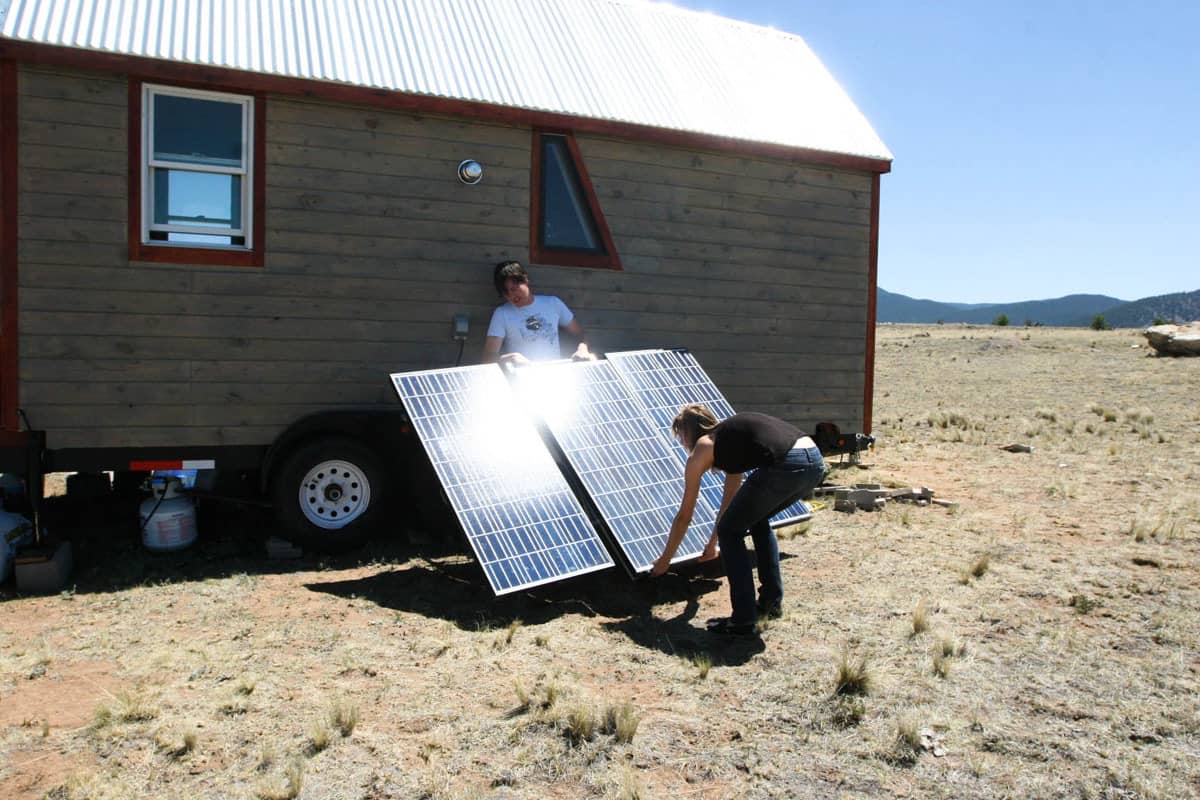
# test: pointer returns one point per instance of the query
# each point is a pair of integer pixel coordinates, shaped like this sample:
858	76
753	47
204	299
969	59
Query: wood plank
411	353
79	230
51	181
688	218
311	245
644	242
72	85
74	205
461	211
692	160
603	169
235	307
494	230
395	123
31	252
170	436
42	370
492	154
174	326
56	284
782	236
336	161
719	281
42	155
184	393
75	135
301	178
684	203
56	110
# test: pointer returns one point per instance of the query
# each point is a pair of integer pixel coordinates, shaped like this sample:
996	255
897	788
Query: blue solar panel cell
629	472
521	519
667	380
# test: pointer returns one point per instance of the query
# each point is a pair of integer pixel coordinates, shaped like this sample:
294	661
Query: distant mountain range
1070	311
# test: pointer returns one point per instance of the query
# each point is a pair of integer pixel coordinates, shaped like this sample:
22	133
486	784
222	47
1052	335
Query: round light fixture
470	172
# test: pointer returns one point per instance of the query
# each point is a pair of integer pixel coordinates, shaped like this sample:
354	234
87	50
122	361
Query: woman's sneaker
769	610
725	626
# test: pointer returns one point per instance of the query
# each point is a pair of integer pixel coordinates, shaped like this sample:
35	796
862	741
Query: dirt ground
1042	639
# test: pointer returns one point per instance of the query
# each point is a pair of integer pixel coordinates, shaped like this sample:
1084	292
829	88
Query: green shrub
1001	320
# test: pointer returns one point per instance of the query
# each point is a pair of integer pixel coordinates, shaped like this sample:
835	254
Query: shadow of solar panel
666	381
521	519
629	472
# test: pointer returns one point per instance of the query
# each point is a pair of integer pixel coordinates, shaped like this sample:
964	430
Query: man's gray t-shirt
532	330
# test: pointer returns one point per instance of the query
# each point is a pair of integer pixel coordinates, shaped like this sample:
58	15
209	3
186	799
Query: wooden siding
372	245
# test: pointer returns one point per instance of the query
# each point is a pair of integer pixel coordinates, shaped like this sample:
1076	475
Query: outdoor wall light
470	172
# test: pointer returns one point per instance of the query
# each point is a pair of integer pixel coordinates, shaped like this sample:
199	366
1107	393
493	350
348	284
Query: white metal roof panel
622	60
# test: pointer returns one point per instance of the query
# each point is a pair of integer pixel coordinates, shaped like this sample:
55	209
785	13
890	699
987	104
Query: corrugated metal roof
622	60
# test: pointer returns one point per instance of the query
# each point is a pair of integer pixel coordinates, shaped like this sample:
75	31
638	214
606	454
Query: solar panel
667	380
629	472
521	519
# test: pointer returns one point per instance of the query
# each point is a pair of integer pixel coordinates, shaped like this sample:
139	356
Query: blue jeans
764	493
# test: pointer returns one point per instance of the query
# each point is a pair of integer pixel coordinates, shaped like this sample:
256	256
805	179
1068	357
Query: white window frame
149	164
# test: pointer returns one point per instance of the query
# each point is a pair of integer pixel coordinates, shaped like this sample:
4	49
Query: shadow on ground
428	576
453	589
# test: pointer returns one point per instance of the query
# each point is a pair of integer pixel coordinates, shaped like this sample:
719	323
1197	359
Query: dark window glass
567	222
197	131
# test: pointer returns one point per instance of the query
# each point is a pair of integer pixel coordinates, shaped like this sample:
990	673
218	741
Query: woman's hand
710	551
661	565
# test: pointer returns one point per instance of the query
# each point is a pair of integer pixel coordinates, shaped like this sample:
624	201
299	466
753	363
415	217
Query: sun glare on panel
550	391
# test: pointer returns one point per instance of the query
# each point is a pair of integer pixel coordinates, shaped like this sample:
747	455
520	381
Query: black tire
331	494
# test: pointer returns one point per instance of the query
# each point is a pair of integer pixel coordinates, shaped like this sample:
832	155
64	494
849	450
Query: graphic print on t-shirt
536	328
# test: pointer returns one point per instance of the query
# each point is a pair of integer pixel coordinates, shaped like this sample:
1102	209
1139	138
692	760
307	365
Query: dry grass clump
621	722
920	618
289	788
174	744
320	735
703	663
853	676
1161	527
628	785
944	652
343	715
580	723
907	743
125	707
976	569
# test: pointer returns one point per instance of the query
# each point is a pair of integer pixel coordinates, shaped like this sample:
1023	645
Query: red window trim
174	254
566	258
9	352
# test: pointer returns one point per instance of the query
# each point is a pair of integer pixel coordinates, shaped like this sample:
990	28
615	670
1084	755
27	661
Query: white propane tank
168	518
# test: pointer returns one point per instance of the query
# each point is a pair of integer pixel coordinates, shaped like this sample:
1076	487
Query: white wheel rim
334	493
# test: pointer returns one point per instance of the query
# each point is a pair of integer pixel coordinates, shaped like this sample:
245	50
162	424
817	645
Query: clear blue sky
1041	148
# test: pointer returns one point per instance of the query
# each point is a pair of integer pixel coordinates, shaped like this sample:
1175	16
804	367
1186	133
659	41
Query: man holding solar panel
784	465
526	327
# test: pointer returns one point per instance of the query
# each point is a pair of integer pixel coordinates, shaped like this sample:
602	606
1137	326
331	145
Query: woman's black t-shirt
749	441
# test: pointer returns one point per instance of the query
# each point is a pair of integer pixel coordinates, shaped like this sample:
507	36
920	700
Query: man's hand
661	565
582	353
710	551
515	359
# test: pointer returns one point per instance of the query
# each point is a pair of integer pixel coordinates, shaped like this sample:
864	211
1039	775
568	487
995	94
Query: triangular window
567	225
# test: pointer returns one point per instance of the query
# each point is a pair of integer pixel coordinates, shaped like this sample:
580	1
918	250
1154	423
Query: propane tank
168	517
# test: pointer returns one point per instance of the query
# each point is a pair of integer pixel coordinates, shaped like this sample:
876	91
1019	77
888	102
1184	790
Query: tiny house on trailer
222	225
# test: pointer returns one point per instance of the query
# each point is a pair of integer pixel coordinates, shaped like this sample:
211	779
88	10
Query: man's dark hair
505	270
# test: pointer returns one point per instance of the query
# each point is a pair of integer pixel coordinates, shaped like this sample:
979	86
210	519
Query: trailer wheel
330	494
